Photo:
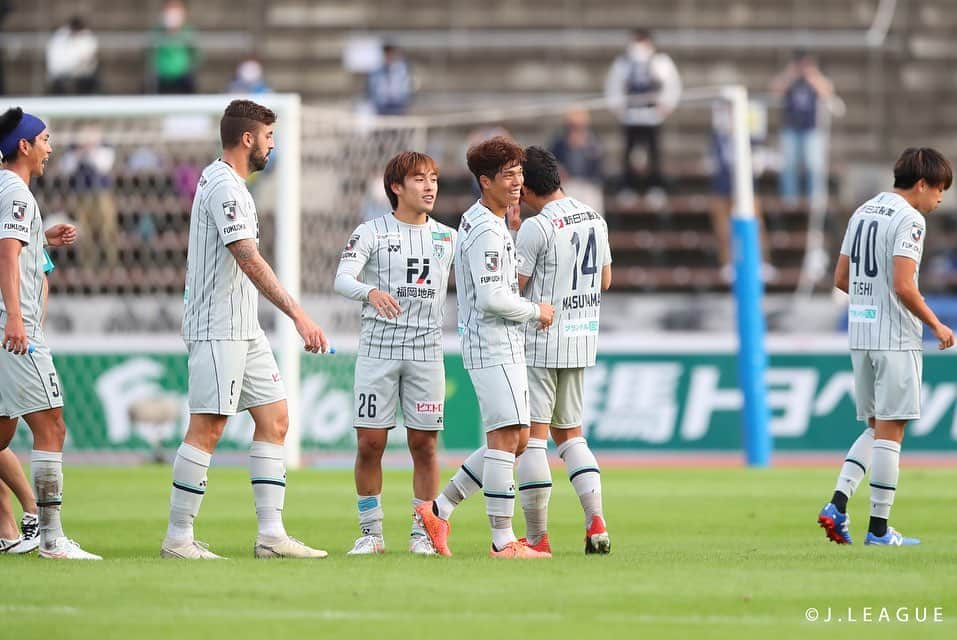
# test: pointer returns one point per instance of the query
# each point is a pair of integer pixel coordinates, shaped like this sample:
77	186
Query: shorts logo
19	210
432	408
230	209
916	232
491	260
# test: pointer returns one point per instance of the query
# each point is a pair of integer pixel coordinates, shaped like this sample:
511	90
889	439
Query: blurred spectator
249	78
389	88
4	10
71	59
722	198
644	87
174	56
89	165
579	153
800	86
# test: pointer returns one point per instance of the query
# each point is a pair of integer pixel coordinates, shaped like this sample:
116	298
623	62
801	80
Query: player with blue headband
29	386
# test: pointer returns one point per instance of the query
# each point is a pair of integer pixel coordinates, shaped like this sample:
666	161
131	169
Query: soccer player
563	259
29	387
12	478
231	366
398	266
492	316
878	268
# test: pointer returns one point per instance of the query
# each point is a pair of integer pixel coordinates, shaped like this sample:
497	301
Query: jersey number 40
870	249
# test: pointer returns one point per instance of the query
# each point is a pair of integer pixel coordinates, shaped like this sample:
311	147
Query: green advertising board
633	401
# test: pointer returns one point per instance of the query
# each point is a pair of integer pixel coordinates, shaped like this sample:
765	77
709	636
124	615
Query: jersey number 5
589	266
870	249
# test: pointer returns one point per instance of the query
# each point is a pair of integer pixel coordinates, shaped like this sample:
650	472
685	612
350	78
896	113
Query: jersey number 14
589	261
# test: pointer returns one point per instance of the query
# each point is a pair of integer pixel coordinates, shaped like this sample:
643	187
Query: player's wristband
538	311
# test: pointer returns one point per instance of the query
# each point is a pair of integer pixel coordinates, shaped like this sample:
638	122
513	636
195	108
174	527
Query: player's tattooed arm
255	266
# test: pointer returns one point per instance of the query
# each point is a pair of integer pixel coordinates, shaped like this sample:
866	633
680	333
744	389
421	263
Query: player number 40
589	261
870	249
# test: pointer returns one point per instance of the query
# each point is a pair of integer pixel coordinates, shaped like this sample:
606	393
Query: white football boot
368	545
187	550
65	549
285	547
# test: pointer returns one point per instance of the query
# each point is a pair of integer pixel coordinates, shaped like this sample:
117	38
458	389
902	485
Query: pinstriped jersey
881	228
221	302
562	251
411	263
20	220
492	314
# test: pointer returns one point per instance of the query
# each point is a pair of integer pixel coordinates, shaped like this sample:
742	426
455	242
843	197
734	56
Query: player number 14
589	266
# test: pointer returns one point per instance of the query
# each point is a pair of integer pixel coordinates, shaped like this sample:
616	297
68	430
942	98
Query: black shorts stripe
469	473
278	483
883	486
506	496
584	470
536	485
198	492
853	461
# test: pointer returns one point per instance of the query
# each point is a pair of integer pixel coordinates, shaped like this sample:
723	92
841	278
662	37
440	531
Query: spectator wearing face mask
249	78
643	87
174	57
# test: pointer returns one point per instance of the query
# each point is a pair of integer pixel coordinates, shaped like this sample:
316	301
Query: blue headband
29	128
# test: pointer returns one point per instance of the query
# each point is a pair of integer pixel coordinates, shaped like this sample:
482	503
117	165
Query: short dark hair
8	122
542	176
641	35
922	163
490	156
242	116
402	166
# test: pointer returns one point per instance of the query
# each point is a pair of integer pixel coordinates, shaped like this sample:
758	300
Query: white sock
370	514
885	469
534	487
584	474
499	488
46	472
856	463
189	487
267	472
466	481
417	528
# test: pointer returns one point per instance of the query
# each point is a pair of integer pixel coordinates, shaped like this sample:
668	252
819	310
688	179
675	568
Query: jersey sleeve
605	241
846	242
529	245
352	261
909	238
493	293
16	215
227	207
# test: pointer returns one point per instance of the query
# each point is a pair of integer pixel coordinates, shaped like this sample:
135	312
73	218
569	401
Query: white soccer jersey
491	311
410	262
562	251
20	220
221	302
881	228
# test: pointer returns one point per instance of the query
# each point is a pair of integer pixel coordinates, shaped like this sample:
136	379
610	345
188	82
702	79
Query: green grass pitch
704	553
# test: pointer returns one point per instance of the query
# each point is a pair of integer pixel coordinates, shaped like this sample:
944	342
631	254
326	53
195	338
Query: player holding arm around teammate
492	319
